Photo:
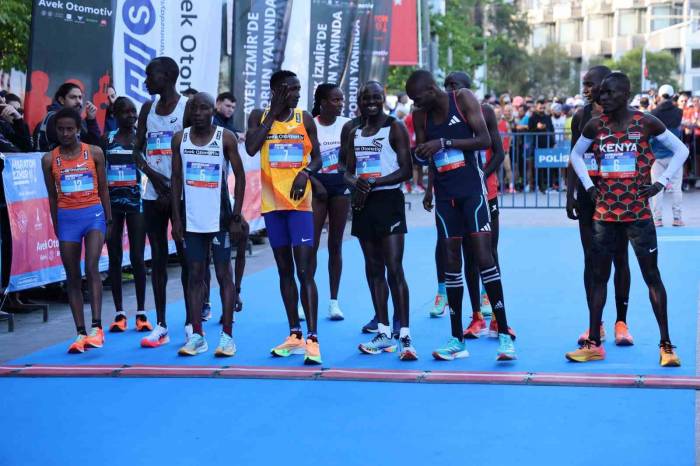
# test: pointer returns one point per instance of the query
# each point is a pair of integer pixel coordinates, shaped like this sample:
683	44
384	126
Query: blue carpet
542	270
245	422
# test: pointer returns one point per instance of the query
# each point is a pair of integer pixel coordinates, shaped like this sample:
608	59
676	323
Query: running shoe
485	305
408	352
371	327
226	348
493	330
677	222
312	353
293	344
206	311
453	349
95	338
196	344
379	343
584	336
119	325
476	328
334	312
78	345
439	308
157	337
658	223
623	337
300	312
667	355
506	348
142	324
588	351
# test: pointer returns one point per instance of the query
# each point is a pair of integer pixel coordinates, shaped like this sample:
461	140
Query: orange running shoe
476	328
584	336
312	355
493	329
293	344
588	351
95	338
142	324
667	355
623	337
119	325
78	346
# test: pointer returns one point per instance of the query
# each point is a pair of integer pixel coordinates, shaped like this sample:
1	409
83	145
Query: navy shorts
610	237
289	228
456	218
197	245
334	184
75	224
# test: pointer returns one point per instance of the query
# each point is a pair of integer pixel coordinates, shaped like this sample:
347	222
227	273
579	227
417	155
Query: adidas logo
499	305
486	227
453	121
215	241
214	144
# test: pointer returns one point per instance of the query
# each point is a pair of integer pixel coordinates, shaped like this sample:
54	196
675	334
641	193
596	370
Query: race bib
330	160
448	159
202	175
618	165
286	155
483	153
368	165
121	175
158	144
591	164
76	182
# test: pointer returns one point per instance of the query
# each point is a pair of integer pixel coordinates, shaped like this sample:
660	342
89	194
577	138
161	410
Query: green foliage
552	72
397	77
661	65
15	18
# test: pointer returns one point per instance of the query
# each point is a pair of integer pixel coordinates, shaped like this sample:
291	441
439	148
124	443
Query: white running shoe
226	348
157	337
334	312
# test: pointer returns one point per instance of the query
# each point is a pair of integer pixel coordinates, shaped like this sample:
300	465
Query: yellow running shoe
312	354
293	344
588	351
667	355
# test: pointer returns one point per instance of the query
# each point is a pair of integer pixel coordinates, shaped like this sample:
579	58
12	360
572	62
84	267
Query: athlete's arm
236	228
310	125
419	128
498	155
93	132
399	140
680	151
257	131
471	109
342	155
350	161
584	142
571	174
102	189
159	181
51	190
176	187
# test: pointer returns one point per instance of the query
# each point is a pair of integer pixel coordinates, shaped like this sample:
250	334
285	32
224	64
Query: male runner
620	141
158	122
449	129
286	138
580	207
201	155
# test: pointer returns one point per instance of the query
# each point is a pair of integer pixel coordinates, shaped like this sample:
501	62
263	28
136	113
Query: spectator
671	116
110	120
523	144
14	132
540	122
225	108
190	92
644	104
559	123
68	95
506	126
403	106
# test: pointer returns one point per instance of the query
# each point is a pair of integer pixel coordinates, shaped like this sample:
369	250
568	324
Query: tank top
625	161
205	169
123	178
285	152
457	173
492	180
374	156
159	133
76	179
329	143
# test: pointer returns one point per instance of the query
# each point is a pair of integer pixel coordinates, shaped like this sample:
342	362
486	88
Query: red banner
404	33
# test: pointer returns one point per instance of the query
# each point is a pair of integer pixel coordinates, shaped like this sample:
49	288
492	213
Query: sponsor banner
404	33
375	63
70	41
356	55
187	31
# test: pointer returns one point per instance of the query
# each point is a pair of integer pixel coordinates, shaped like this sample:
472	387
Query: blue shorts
75	224
197	245
289	228
456	218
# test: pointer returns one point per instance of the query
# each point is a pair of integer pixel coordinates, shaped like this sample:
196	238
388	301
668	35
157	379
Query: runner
580	207
158	122
124	183
447	139
621	196
286	138
201	155
330	193
74	174
378	161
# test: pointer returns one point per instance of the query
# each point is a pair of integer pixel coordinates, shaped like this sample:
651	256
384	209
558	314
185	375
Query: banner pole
420	33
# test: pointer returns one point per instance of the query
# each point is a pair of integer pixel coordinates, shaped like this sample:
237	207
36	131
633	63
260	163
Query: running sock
228	329
296	331
477	316
121	315
97	323
455	292
491	278
621	306
141	315
385	329
81	331
197	328
442	290
312	337
403	332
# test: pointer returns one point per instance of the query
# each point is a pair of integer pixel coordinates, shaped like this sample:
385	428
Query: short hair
190	92
226	96
169	66
620	77
69	113
10	97
64	89
367	84
601	71
541	101
278	77
422	77
465	79
644	102
120	103
321	93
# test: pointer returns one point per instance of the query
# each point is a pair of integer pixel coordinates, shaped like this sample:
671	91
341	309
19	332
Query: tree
15	17
661	65
552	72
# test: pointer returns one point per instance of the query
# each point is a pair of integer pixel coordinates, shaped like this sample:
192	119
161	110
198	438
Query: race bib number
591	164
72	183
368	165
448	159
330	160
158	144
202	175
618	165
286	155
121	175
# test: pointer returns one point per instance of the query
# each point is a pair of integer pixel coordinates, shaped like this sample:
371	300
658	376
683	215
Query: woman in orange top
75	178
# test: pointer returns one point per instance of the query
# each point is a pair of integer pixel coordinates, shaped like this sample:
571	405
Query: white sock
140	313
333	302
403	332
385	329
121	313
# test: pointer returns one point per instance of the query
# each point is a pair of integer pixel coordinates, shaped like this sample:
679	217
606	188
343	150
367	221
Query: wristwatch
372	181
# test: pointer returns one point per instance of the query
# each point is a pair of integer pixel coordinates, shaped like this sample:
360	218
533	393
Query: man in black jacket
540	122
14	132
225	108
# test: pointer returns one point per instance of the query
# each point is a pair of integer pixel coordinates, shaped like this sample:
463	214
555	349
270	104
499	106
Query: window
664	16
569	32
599	27
630	22
542	35
695	58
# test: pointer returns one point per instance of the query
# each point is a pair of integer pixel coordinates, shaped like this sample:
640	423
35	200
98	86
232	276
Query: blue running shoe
379	343
371	326
195	345
486	309
440	306
453	349
506	348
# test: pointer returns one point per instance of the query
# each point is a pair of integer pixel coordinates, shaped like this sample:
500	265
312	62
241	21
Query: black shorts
457	218
334	184
384	214
493	207
586	206
609	237
197	245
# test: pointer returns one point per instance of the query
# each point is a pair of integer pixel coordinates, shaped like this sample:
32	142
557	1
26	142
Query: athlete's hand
319	191
178	230
237	230
237	303
428	200
571	208
90	110
362	185
593	193
650	190
299	186
428	149
278	104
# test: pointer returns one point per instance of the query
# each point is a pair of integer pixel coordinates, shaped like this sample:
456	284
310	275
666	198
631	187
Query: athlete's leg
184	277
308	291
115	251
338	208
288	286
585	228
440	264
94	240
603	249
239	269
621	277
221	254
157	229
197	244
376	280
471	272
320	210
70	256
454	283
495	233
490	277
392	250
137	242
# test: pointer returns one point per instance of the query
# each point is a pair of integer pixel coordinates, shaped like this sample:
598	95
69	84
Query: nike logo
394	226
81	165
173	120
97	215
305	240
453	121
652	250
